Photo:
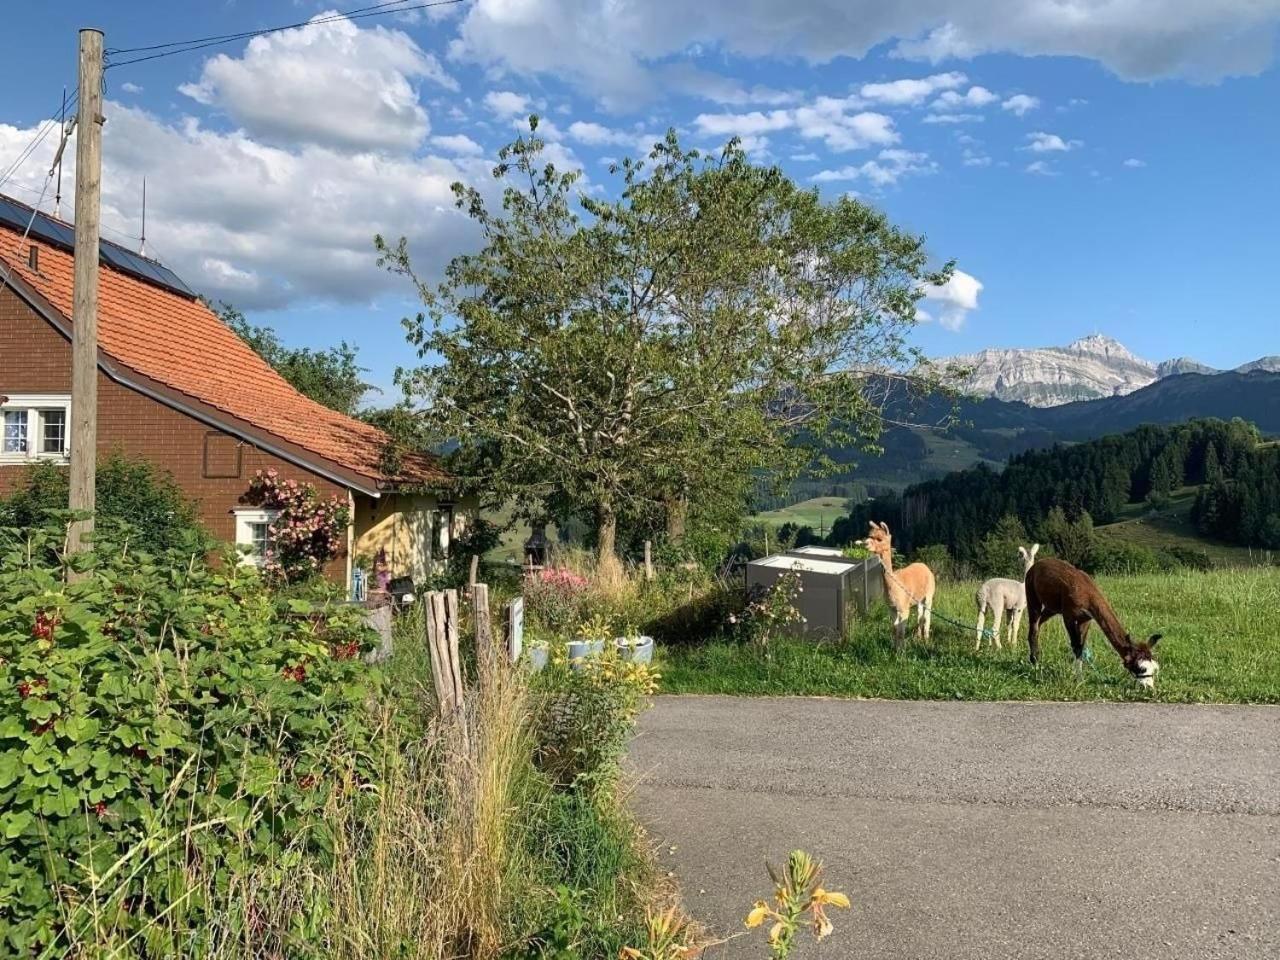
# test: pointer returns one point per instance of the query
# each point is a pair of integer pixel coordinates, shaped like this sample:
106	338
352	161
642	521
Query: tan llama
912	586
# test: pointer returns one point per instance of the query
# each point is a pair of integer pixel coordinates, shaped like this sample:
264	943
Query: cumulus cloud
459	144
332	84
598	135
1041	142
507	104
888	168
830	119
950	303
1040	168
1020	104
953	118
1134	163
618	53
910	91
130	87
266	226
973	97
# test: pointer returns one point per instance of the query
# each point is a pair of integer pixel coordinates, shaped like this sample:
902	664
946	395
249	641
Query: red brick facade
211	466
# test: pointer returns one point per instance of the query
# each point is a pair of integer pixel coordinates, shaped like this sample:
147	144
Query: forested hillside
1059	494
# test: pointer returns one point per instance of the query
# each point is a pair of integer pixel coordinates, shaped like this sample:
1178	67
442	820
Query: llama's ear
1022	552
1035	548
1154	639
884	526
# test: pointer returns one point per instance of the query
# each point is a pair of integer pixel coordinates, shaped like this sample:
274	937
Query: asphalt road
965	830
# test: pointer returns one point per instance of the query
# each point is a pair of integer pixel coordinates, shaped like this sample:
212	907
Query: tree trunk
607	565
677	517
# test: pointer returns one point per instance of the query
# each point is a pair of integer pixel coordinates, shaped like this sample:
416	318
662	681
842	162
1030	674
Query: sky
1099	166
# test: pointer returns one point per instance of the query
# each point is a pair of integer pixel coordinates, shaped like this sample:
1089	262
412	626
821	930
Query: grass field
1172	527
1221	644
818	512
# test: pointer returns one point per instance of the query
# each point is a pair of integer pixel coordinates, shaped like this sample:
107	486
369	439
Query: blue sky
1099	166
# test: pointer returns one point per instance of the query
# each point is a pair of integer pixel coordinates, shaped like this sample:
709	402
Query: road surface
973	830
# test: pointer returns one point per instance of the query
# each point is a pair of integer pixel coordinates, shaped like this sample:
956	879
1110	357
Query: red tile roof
182	344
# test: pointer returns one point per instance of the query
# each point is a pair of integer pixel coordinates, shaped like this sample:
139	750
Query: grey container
815	552
829	598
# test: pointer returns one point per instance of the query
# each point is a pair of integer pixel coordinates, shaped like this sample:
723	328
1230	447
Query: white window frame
35	405
246	519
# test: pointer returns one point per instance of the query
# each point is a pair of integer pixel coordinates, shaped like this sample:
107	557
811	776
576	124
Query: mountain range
1089	368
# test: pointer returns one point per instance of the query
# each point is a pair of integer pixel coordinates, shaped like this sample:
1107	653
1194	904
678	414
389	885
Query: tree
625	356
330	377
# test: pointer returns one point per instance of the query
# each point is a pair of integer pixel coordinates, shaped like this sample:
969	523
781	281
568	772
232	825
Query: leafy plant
772	612
307	531
157	715
798	898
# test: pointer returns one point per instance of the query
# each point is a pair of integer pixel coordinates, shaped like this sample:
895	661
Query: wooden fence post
442	643
486	656
475	566
648	560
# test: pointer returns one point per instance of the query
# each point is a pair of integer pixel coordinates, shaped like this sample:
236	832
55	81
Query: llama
1000	595
913	585
1056	587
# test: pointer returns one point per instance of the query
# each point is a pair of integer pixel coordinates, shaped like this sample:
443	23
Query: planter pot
538	657
635	649
580	650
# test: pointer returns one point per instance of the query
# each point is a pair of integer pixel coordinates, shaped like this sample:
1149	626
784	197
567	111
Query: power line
199	43
38	138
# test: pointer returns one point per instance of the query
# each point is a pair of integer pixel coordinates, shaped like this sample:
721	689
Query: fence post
442	643
648	560
486	656
475	566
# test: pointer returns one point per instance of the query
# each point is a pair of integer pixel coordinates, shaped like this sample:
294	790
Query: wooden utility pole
84	319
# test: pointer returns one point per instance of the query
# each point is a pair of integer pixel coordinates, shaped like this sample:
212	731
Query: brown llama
1056	587
912	586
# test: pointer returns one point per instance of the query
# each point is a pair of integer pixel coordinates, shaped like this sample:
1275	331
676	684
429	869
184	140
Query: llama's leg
1014	623
998	615
1035	615
922	631
1078	631
928	615
899	628
982	618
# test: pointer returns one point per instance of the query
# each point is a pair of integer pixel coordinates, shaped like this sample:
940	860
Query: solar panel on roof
17	215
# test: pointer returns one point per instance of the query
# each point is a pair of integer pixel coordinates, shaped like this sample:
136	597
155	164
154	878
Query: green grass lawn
816	512
1221	644
1172	527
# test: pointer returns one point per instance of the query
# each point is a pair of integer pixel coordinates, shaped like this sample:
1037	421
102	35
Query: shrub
770	614
127	491
937	558
307	532
555	597
159	719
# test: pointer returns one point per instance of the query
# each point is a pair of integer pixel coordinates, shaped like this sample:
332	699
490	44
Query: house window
253	535
35	428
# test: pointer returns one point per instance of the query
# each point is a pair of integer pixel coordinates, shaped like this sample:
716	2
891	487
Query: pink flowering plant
770	613
556	597
307	531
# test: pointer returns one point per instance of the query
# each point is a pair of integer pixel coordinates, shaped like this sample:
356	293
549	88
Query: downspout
351	538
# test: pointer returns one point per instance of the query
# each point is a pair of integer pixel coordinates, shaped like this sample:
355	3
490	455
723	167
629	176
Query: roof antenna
62	122
142	247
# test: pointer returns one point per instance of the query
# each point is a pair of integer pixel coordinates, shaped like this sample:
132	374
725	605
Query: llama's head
878	540
1140	661
1028	557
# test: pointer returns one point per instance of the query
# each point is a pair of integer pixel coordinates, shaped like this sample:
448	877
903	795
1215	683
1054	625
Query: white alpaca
1001	595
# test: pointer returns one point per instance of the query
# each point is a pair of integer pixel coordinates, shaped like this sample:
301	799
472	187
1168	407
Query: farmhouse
178	388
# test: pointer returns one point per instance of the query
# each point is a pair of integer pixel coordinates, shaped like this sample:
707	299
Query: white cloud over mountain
950	303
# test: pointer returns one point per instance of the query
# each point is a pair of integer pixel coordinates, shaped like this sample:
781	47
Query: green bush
127	491
937	558
160	720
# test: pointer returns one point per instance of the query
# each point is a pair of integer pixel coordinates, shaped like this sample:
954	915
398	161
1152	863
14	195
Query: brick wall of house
35	358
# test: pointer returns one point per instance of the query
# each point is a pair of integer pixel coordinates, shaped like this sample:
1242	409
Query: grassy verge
1221	640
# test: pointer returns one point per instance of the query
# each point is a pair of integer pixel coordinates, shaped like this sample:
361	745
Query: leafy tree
1072	540
331	377
713	322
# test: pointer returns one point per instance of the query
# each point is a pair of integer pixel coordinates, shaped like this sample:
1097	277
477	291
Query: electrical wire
41	133
199	43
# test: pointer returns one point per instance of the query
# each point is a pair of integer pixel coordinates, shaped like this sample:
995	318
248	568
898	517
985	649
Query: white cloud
266	226
1041	142
618	52
1135	163
130	87
598	135
973	97
459	144
507	104
332	84
974	158
804	157
953	301
1040	168
953	118
887	169
829	119
1020	104
910	91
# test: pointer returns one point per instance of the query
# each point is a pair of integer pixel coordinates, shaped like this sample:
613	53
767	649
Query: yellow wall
401	525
